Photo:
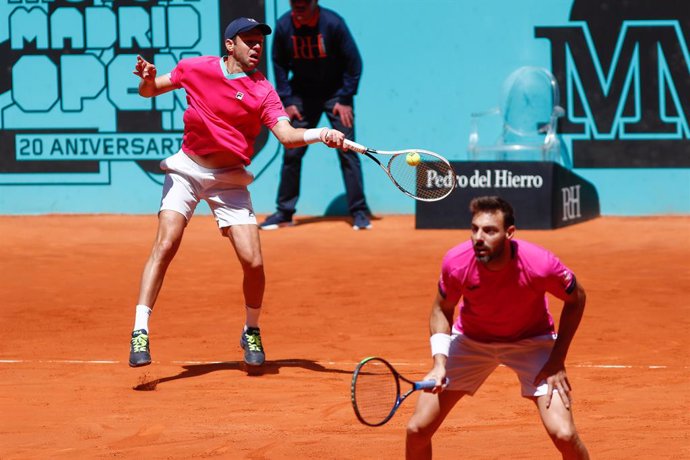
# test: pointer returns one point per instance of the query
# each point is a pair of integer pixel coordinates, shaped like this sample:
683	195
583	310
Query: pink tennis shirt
224	111
509	304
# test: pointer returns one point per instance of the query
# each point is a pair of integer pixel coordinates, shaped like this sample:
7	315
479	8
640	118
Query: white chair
527	119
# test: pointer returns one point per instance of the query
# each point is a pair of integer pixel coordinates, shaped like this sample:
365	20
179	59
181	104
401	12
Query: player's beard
490	254
484	259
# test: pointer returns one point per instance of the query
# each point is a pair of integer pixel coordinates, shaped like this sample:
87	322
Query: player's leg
351	168
177	207
245	240
560	425
171	225
468	366
247	245
231	204
429	413
526	358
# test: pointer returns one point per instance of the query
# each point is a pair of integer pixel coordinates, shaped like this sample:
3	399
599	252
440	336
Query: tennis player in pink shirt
499	284
228	100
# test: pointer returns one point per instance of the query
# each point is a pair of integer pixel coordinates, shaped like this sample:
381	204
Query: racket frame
367	151
414	386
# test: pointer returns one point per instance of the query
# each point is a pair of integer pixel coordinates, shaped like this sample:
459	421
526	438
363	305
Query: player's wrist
440	344
314	135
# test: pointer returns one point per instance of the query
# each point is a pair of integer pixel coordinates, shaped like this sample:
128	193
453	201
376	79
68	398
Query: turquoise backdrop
427	66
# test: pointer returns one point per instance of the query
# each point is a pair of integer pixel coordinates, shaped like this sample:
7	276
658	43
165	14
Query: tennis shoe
250	341
276	220
139	352
360	221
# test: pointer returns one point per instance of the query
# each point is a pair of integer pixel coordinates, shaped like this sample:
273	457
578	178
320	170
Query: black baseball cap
240	25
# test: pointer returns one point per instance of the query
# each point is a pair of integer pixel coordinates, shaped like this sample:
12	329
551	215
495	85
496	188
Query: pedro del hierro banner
544	195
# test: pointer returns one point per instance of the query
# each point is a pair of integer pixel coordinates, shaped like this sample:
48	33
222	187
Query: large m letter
629	106
630	97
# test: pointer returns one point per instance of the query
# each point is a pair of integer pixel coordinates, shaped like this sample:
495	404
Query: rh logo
571	202
307	48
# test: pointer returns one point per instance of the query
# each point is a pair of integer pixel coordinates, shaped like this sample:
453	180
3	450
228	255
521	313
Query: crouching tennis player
503	319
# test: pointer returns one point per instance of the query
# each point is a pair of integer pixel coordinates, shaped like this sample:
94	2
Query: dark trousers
350	165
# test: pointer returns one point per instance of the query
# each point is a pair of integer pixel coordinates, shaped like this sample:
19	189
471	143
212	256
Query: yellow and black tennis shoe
250	341
139	352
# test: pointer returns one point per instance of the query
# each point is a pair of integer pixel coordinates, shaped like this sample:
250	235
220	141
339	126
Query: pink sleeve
177	74
558	279
272	109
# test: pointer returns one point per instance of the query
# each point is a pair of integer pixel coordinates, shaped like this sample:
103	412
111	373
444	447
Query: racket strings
375	393
429	178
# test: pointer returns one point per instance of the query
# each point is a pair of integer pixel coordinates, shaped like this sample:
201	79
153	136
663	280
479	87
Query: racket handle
352	145
424	384
427	384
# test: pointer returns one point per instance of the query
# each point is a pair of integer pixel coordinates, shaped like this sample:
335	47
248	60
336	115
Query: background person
317	69
228	101
503	319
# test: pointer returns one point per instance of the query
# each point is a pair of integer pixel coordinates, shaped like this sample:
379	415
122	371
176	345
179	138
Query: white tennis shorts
471	362
225	190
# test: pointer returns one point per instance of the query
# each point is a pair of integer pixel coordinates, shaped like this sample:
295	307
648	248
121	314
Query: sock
252	316
141	318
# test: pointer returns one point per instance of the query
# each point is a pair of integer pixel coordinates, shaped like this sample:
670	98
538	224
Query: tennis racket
376	388
419	174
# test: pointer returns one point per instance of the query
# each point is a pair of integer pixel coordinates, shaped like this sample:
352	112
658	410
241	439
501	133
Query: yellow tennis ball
412	158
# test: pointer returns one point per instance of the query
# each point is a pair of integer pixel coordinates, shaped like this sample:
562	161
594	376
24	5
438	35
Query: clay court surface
334	296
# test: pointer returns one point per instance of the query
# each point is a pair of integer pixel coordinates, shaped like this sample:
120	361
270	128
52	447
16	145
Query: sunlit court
67	391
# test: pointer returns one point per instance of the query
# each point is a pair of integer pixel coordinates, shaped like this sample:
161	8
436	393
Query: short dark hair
493	204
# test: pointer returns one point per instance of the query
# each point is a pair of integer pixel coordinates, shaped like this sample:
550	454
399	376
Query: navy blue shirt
315	62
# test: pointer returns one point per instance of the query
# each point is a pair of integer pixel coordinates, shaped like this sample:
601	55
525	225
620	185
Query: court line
298	362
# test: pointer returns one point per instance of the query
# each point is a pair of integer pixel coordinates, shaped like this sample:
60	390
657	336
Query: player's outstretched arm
292	137
151	84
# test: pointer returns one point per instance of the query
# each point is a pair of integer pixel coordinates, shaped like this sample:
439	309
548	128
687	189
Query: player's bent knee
418	431
165	249
564	435
254	266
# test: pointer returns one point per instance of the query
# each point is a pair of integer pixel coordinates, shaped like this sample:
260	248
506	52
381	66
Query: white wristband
313	135
440	344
